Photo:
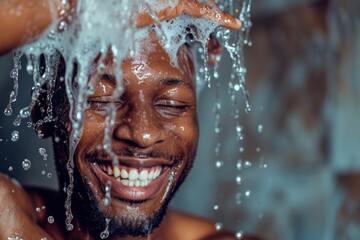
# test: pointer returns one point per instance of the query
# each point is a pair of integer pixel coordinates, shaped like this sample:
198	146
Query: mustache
94	155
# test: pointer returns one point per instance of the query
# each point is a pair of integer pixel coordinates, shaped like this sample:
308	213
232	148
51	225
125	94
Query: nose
139	127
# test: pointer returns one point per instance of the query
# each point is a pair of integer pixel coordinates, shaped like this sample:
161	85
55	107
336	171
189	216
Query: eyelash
101	104
171	107
165	107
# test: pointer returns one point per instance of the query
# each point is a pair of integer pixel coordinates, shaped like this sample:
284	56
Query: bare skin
162	108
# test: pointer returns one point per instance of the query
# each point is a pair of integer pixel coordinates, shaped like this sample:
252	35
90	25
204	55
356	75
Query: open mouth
131	182
131	176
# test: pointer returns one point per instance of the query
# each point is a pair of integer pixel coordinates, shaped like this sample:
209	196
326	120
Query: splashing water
51	219
218	226
107	199
86	38
15	136
14	74
105	234
26	164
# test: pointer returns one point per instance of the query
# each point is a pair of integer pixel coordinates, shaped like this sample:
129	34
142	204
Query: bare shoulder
12	193
187	226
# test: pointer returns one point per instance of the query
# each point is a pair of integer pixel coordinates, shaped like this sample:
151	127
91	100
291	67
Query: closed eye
103	103
172	107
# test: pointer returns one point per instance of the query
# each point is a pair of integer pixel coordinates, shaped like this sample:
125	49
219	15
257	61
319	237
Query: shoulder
187	226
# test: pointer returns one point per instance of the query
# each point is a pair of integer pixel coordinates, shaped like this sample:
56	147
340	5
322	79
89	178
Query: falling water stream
87	38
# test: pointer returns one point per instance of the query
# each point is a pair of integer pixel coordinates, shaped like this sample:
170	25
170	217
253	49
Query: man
154	137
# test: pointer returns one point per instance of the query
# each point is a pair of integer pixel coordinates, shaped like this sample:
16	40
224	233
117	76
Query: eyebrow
175	81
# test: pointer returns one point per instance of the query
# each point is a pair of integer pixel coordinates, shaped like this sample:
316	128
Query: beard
130	221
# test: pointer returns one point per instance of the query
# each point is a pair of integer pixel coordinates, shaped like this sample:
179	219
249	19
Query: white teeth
137	183
124	173
116	171
151	175
143	175
125	182
109	170
157	173
133	174
131	183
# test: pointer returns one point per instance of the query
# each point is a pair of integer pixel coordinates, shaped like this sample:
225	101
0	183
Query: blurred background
296	173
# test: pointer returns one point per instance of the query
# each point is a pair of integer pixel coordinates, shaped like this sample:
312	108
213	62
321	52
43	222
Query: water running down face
154	138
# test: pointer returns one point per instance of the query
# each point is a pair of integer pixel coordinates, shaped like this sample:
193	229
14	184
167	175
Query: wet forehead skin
150	60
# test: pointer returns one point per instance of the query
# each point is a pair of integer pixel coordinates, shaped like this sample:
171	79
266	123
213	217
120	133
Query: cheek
185	131
93	129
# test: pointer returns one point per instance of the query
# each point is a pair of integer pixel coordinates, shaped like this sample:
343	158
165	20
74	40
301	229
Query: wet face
153	138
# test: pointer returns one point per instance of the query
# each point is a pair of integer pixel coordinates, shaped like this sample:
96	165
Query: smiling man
153	135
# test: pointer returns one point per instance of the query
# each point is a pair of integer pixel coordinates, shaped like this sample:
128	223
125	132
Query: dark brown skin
160	105
151	105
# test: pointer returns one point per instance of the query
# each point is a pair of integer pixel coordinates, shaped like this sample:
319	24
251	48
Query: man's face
154	138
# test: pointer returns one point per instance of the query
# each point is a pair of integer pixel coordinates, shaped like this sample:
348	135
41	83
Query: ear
214	49
44	124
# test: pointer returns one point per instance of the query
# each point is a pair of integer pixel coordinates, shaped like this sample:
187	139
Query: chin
133	210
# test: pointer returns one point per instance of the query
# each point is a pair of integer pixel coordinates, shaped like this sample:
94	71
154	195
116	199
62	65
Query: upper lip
135	162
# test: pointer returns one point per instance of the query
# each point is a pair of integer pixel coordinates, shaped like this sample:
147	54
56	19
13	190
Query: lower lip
132	193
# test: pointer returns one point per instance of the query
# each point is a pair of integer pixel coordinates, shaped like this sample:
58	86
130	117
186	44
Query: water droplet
238	180
218	226
51	219
238	198
260	128
239	234
8	110
43	172
239	165
40	134
238	129
26	164
263	165
38	209
15	136
247	164
42	151
44	238
10	169
104	235
49	175
69	227
30	68
219	164
17	121
107	199
24	113
248	193
237	87
216	207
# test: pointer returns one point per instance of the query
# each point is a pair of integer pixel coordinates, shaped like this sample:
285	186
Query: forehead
148	59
